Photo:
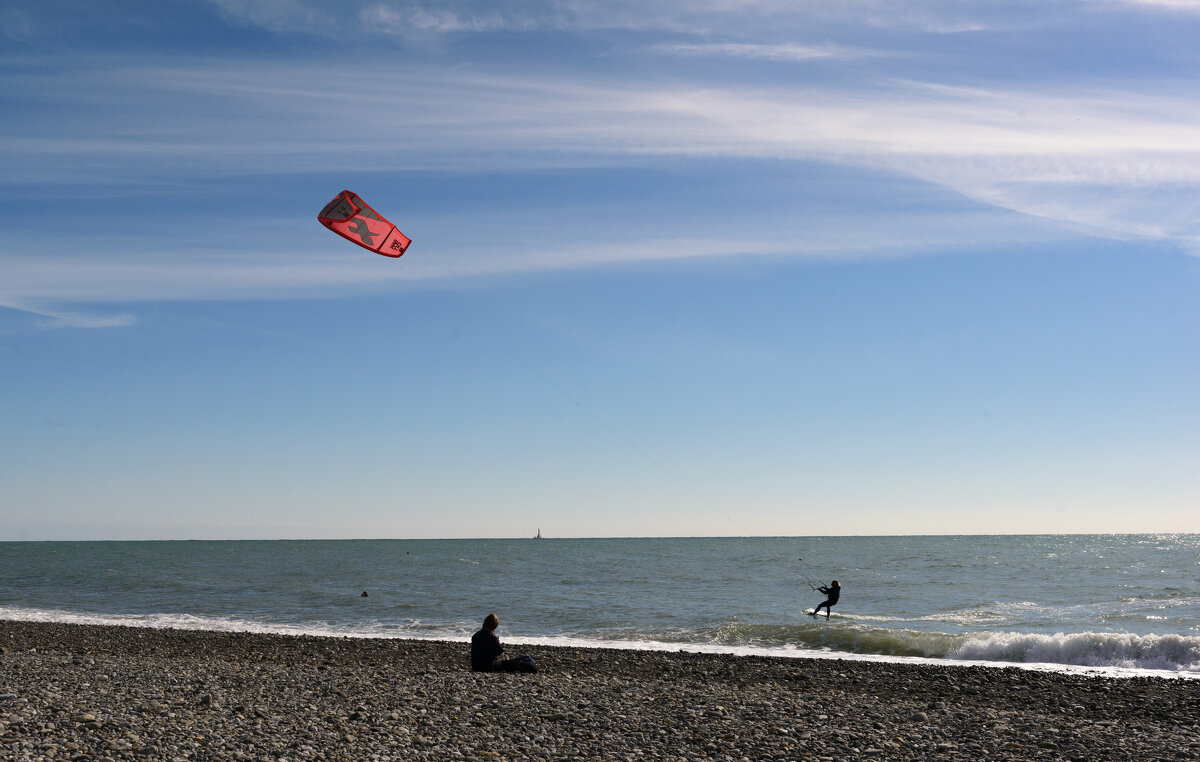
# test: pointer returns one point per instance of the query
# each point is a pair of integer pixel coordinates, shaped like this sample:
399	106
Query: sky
723	267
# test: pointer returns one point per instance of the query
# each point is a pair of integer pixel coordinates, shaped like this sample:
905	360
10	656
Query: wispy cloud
699	17
85	320
430	110
776	52
285	15
382	18
17	25
1111	159
1079	156
1171	5
321	266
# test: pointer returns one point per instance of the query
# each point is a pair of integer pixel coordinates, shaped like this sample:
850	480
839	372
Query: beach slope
98	692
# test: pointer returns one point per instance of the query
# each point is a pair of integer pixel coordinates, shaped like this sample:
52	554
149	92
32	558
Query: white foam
803	653
410	630
1102	654
1178	653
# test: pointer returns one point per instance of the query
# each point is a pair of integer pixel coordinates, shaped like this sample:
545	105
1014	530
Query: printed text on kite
351	218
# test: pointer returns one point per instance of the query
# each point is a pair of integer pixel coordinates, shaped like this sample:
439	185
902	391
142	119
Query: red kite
351	218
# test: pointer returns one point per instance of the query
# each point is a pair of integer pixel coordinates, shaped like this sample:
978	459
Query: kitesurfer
832	592
486	651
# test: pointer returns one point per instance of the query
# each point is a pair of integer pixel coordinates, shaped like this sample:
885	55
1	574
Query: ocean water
1118	604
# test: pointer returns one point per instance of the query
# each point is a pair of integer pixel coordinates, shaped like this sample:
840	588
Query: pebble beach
71	691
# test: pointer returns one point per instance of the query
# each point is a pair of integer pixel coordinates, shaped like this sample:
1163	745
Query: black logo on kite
360	229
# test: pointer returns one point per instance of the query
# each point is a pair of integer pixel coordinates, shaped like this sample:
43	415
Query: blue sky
707	268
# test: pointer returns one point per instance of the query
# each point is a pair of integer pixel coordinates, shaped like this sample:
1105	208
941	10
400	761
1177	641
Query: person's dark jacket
485	648
833	593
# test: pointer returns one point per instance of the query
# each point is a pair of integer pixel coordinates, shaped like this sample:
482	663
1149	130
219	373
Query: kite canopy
351	218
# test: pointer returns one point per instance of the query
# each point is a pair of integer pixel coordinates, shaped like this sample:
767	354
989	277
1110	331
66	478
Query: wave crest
1085	649
1175	653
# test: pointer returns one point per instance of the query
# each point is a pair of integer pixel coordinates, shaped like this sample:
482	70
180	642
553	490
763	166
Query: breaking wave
1086	649
1175	653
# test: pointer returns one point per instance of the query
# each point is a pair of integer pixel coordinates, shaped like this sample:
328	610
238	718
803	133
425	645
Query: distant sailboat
538	536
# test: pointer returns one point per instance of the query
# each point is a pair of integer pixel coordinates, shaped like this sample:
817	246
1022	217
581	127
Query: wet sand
99	692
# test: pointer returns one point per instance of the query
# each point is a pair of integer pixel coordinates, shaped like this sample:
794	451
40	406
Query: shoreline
115	692
769	651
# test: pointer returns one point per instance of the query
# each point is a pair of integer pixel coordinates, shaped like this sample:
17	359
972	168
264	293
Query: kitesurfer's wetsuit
832	594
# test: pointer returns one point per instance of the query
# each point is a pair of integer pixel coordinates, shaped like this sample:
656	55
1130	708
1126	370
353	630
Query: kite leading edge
351	218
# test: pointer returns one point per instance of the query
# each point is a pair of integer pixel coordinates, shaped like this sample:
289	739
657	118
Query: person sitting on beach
832	593
486	651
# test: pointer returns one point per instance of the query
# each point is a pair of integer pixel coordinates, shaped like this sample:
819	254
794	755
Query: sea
1116	605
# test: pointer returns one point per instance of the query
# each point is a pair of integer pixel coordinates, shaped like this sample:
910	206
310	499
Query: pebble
118	693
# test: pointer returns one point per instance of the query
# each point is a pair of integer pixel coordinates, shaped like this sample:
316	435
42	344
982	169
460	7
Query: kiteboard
351	218
839	615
